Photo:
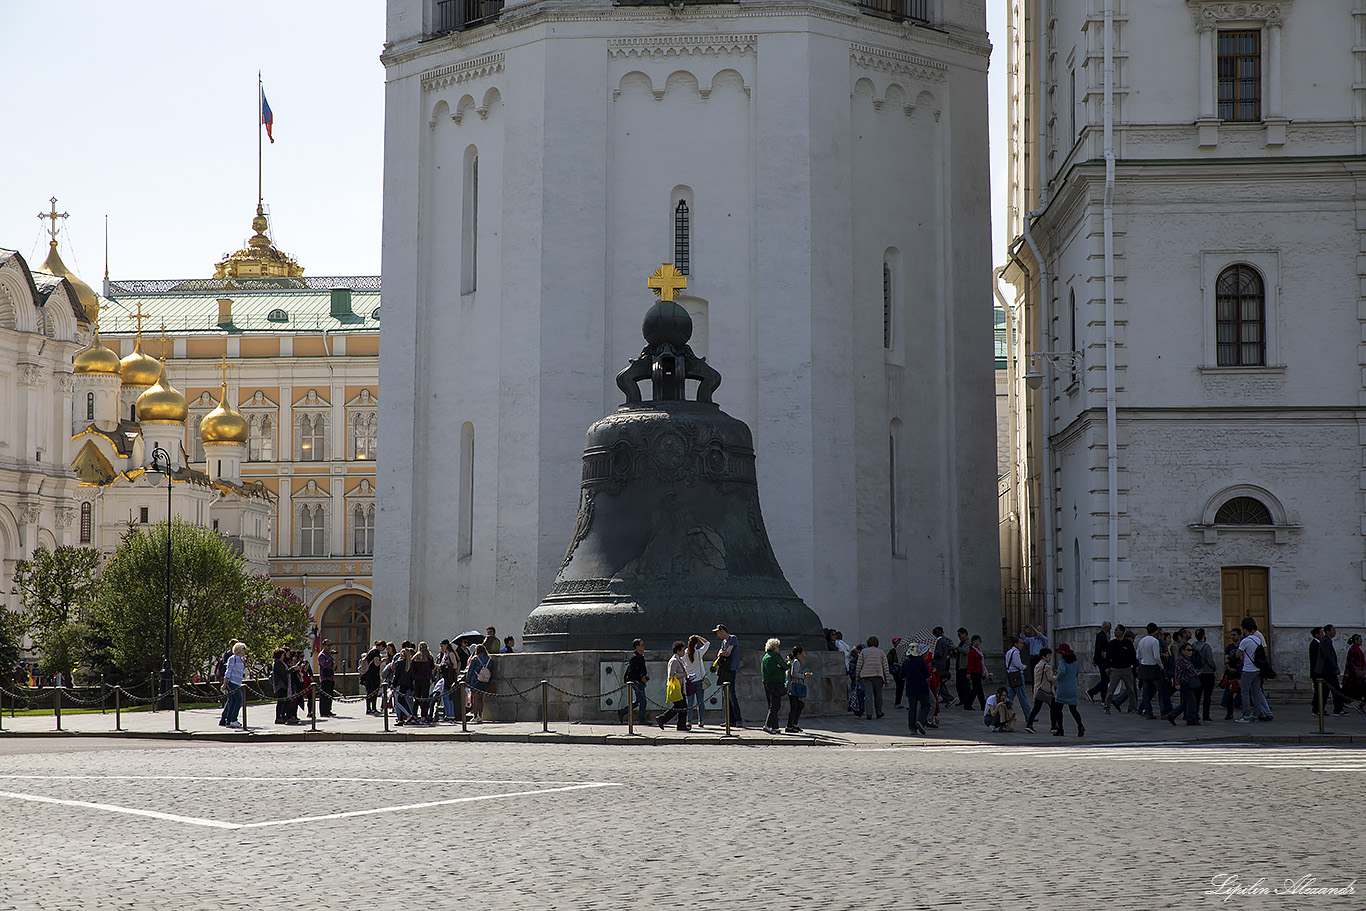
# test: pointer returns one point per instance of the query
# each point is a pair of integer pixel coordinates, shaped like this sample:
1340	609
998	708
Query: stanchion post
385	698
464	718
630	708
545	706
57	705
118	713
103	705
1318	689
244	703
175	697
312	709
725	701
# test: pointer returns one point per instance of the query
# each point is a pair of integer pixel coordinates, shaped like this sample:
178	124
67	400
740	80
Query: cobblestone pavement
948	824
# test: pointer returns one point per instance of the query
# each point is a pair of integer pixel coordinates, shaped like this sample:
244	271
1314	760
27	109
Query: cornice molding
897	63
1209	13
459	73
682	46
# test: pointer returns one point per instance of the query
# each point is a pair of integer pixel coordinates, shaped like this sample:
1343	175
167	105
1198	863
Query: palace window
1240	75
363	436
311	438
363	517
1240	317
312	531
260	442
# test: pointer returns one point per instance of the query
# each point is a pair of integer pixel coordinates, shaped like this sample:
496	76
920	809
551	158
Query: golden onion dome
85	295
223	424
163	402
96	359
138	369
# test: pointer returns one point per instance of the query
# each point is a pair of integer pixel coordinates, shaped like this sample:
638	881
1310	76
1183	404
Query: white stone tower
818	168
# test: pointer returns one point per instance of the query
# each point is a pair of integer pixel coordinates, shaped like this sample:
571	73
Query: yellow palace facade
302	358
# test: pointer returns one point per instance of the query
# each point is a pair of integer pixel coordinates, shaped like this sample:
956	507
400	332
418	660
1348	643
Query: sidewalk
1293	724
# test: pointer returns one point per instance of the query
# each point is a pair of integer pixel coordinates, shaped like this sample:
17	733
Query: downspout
1012	372
1111	444
1045	306
1046	406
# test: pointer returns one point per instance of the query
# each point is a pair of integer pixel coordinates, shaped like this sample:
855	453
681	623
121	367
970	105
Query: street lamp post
161	461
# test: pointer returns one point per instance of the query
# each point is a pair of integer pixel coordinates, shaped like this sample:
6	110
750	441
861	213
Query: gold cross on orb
52	216
666	281
223	371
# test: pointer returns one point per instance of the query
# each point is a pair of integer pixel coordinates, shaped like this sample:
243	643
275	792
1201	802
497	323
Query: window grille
682	237
1243	511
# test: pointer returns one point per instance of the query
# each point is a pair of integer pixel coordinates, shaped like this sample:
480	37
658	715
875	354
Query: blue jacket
1066	688
917	676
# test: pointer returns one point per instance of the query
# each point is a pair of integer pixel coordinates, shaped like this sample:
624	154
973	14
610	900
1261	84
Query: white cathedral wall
789	230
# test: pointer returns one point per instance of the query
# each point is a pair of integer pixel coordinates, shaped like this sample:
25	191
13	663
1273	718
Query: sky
147	112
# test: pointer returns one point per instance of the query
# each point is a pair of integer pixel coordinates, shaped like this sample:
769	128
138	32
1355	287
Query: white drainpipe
1111	444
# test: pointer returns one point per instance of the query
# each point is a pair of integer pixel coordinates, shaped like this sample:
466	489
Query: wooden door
1245	593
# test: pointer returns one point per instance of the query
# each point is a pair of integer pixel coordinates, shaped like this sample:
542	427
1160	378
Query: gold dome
223	424
138	369
85	295
163	402
95	358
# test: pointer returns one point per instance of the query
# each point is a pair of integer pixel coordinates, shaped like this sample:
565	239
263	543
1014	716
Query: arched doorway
347	623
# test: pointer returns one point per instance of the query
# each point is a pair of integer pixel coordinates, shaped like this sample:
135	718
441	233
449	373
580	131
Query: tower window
87	523
90	406
886	305
682	237
142	515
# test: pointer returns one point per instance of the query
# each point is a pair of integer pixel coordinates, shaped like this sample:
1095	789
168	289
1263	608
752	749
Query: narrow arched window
311	440
90	406
469	224
682	237
87	523
465	526
312	531
267	448
1240	317
886	305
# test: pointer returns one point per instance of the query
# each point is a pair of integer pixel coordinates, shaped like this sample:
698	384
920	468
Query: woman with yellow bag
675	692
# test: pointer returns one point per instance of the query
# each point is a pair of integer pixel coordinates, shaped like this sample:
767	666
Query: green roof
276	310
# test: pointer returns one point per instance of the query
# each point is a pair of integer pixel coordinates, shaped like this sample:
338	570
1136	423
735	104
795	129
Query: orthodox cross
52	217
223	372
666	281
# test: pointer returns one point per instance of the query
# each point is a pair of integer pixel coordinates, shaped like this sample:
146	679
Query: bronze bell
669	538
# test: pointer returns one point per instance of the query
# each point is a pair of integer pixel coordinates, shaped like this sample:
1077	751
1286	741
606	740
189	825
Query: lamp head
1034	378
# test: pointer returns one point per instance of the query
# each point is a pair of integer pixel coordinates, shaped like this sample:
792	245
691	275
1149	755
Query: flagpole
260	89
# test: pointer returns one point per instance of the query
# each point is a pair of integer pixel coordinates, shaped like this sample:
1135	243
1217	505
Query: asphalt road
117	824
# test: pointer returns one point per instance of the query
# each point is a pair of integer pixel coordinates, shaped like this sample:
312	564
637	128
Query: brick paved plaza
960	821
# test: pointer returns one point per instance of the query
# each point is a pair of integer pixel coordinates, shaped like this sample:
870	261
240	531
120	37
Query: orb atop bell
669	539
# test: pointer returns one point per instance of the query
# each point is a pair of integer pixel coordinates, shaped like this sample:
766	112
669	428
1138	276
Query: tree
11	642
128	622
272	617
57	589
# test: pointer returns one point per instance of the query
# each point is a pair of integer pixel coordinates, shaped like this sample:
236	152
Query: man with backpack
1256	664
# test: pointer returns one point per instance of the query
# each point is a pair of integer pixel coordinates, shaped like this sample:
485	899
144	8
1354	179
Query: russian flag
267	117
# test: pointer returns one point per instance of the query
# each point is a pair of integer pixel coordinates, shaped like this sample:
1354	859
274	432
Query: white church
817	169
1187	185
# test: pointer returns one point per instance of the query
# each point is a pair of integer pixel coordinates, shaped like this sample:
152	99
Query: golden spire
666	281
259	258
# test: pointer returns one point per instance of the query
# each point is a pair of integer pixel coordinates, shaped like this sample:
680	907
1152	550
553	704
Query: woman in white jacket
697	671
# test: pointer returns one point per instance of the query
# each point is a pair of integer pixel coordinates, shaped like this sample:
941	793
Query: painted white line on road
421	806
218	824
132	811
283	778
